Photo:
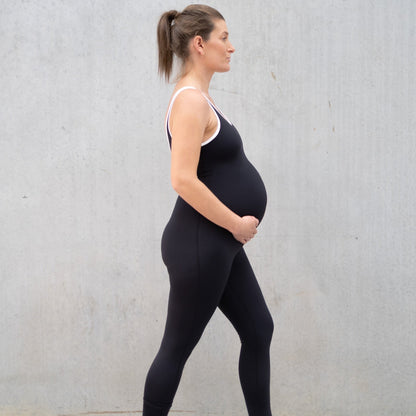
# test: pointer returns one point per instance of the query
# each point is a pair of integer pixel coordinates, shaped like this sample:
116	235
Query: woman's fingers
248	229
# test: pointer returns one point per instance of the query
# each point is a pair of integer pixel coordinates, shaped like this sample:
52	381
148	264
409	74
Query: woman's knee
261	332
267	328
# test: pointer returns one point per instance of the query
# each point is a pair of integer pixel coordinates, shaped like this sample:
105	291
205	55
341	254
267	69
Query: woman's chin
225	68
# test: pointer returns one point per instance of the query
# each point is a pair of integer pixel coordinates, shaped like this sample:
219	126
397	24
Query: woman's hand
246	229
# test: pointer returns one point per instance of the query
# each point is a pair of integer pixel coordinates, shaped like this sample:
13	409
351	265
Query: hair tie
174	17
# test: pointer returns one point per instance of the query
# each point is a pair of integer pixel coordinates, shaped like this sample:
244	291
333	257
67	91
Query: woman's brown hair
176	29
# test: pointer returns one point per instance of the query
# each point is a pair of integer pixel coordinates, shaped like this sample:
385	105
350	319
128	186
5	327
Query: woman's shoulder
188	98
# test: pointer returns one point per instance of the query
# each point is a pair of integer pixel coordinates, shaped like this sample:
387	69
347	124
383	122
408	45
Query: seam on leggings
198	265
237	301
192	330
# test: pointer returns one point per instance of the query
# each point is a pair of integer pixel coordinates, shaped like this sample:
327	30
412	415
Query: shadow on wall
8	411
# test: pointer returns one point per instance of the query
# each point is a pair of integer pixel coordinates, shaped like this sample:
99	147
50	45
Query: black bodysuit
208	268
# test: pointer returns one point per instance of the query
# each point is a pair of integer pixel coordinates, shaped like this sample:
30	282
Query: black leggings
219	275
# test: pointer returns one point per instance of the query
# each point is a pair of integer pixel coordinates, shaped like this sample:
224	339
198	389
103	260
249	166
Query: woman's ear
199	44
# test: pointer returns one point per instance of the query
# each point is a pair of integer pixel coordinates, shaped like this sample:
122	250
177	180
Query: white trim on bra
210	104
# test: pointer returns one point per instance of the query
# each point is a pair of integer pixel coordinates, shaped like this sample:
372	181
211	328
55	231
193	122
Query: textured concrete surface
323	93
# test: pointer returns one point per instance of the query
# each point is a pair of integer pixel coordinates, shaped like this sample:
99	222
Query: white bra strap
210	104
174	98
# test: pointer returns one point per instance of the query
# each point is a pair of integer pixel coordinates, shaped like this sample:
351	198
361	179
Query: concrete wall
323	93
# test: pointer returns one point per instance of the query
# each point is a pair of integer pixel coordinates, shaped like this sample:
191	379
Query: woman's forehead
220	26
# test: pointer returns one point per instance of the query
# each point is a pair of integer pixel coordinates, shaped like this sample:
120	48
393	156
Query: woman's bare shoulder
189	100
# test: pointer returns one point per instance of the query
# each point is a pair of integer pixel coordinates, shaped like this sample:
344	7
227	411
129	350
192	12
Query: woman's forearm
201	198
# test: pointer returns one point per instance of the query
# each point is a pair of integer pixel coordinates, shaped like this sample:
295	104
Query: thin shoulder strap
170	109
174	98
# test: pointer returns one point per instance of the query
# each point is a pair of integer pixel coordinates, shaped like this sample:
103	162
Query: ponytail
164	40
175	30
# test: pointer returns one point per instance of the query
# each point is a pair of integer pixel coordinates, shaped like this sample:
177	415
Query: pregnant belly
241	189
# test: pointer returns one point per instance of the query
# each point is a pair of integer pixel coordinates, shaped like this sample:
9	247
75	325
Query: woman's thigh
242	302
200	261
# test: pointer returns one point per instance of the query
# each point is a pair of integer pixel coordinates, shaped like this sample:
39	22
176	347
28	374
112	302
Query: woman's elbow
180	183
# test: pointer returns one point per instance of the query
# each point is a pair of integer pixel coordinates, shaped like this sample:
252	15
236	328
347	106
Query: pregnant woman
221	201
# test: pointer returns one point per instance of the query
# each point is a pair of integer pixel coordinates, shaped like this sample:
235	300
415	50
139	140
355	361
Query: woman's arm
188	121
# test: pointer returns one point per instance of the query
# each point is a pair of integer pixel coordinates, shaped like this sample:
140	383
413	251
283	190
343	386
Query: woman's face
218	48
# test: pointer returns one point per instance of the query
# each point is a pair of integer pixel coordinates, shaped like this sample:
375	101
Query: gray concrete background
323	93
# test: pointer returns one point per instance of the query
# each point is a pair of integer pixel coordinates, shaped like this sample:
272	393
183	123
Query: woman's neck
199	79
